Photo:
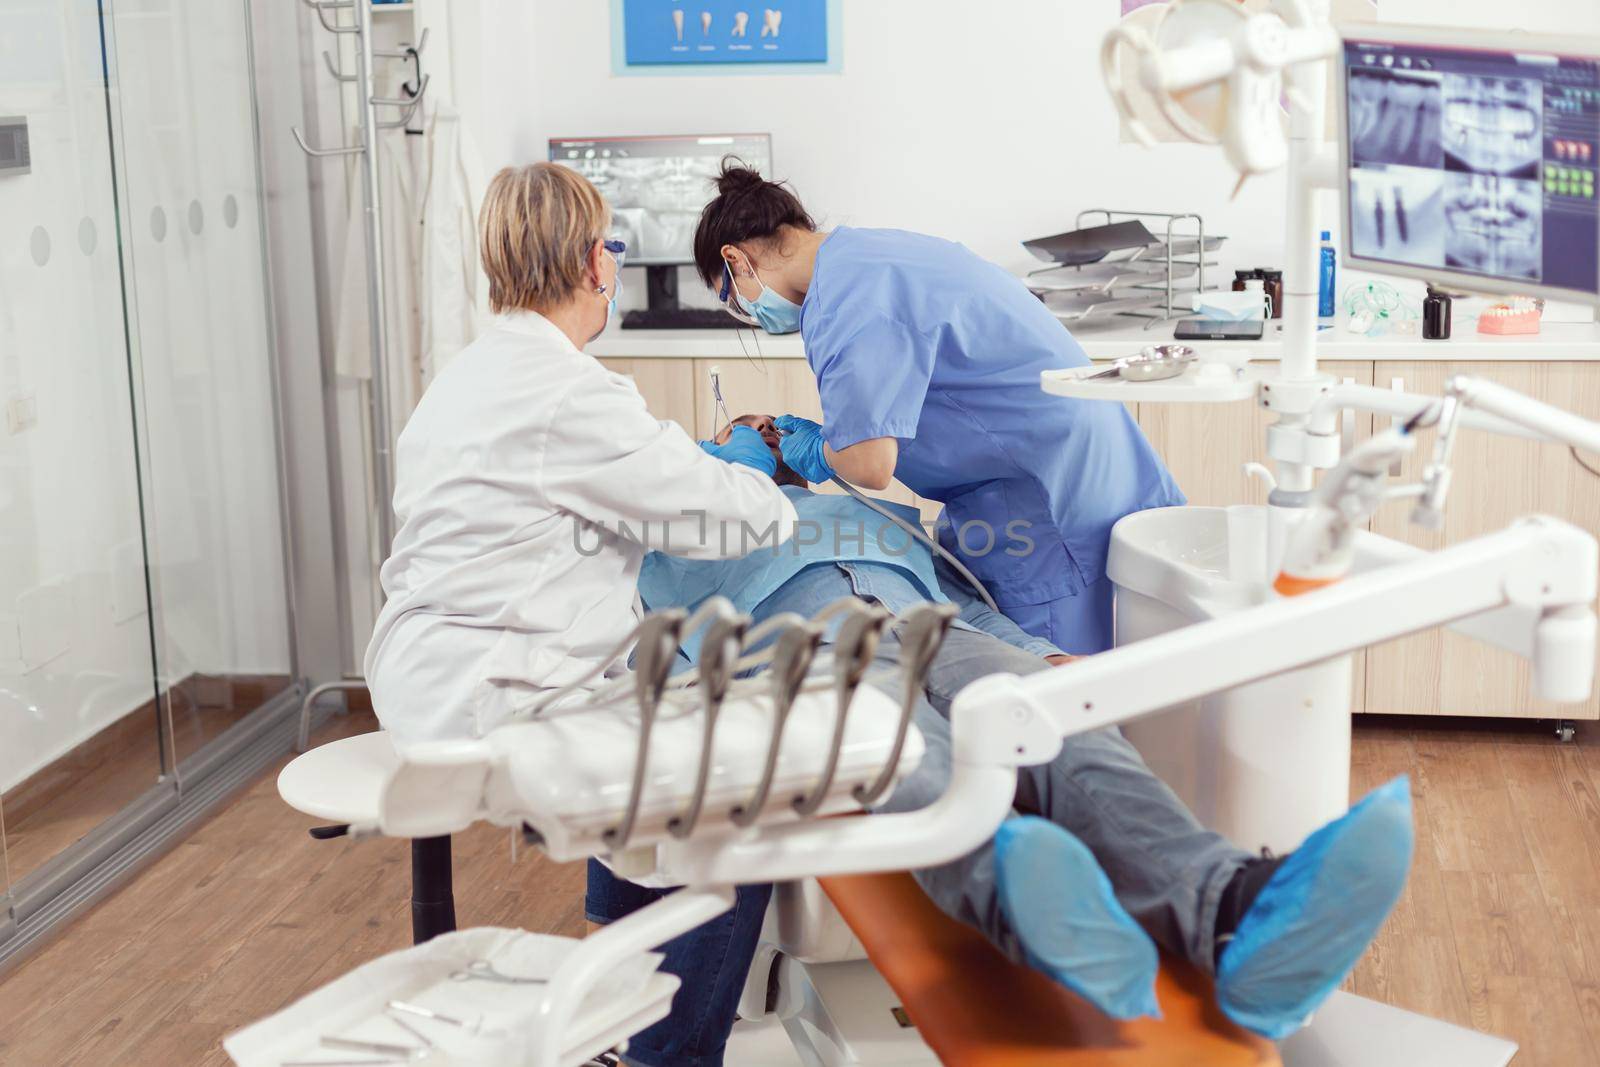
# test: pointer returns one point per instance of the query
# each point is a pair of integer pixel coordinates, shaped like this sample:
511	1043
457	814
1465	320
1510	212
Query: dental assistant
531	481
927	359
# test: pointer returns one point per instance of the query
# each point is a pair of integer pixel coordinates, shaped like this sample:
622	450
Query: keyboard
679	319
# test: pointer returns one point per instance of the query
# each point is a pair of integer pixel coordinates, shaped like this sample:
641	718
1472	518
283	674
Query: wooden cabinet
667	386
1497	480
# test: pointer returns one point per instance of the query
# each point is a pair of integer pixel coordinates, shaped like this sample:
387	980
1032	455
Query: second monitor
657	187
1471	159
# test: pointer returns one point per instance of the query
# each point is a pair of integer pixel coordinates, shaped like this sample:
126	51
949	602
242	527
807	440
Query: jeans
1168	871
711	960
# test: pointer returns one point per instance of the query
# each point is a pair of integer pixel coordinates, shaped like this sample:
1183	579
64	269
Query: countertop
1556	342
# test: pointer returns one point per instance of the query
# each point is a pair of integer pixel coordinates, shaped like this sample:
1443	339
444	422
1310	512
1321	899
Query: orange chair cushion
975	1008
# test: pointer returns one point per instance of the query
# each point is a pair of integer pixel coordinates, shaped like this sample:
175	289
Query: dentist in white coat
531	481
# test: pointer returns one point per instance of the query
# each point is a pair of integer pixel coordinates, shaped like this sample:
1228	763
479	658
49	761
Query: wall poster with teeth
741	36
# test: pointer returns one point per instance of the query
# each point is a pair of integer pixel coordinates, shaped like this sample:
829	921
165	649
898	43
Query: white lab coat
510	574
436	296
452	292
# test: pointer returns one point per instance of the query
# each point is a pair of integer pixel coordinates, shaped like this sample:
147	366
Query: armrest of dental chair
975	1008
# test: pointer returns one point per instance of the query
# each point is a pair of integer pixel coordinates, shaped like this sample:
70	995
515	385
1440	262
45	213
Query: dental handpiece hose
922	535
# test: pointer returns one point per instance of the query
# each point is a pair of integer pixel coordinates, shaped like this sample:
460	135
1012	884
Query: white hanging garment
453	292
400	224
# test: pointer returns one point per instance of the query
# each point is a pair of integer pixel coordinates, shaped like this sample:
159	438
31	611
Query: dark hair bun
737	177
747	207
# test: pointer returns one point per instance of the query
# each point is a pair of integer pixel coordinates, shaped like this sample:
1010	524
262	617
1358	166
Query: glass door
144	612
183	118
79	727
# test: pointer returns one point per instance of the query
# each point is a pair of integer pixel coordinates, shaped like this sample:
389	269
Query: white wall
984	123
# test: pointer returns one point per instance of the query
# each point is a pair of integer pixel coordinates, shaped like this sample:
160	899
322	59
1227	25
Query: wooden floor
1499	928
62	802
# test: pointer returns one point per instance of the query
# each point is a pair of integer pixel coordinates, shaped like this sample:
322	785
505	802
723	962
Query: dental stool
342	782
947	996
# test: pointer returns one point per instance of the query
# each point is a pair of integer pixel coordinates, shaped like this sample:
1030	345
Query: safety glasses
730	299
618	250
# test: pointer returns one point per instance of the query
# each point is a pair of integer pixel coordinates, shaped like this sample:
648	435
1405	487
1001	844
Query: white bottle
1259	286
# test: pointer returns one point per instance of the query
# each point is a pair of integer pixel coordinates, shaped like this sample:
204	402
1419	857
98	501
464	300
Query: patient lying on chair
1102	862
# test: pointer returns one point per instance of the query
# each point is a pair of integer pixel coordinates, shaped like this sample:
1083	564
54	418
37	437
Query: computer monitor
1469	159
657	187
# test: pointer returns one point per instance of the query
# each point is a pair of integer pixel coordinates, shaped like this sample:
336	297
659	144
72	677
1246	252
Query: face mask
616	294
772	312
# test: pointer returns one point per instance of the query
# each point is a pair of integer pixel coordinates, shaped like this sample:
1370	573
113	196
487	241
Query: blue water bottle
1325	286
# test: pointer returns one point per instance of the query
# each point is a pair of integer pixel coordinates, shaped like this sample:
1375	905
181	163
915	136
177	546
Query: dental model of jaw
705	23
771	22
741	19
677	24
1520	316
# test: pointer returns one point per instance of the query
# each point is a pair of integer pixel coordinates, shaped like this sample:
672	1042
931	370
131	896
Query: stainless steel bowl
1158	362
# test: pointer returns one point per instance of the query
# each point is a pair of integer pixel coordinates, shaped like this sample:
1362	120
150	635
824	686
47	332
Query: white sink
1265	763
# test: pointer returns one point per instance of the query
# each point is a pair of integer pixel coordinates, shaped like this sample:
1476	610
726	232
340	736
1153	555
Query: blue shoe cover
1317	914
1060	906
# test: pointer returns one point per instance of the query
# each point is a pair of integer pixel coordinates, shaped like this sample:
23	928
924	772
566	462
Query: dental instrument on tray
485	971
424	1013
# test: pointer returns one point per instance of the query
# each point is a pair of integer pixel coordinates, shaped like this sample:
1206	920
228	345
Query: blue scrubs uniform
917	338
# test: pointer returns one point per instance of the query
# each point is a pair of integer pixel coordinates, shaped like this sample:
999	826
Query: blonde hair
535	231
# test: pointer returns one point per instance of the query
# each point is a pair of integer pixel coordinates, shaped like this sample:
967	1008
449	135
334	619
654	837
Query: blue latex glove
1060	905
1315	917
744	446
802	448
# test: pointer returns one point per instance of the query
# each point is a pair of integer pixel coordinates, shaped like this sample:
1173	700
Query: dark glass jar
1274	286
1436	315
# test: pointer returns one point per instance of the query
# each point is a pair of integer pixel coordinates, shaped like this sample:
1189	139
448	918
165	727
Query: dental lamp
1216	72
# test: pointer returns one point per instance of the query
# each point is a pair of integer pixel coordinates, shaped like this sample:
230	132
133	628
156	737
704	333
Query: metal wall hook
404	101
791	662
921	636
328	60
410	105
344	150
719	655
405	51
854	650
322	7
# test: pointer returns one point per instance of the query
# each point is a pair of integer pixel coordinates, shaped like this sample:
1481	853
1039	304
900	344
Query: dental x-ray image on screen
1397	213
1494	226
1493	125
657	186
1395	117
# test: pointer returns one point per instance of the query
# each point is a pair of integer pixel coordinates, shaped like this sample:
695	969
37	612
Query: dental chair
734	779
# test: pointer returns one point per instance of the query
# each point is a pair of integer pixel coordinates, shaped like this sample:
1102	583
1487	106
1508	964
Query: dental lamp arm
1405	406
1527	416
1536	563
